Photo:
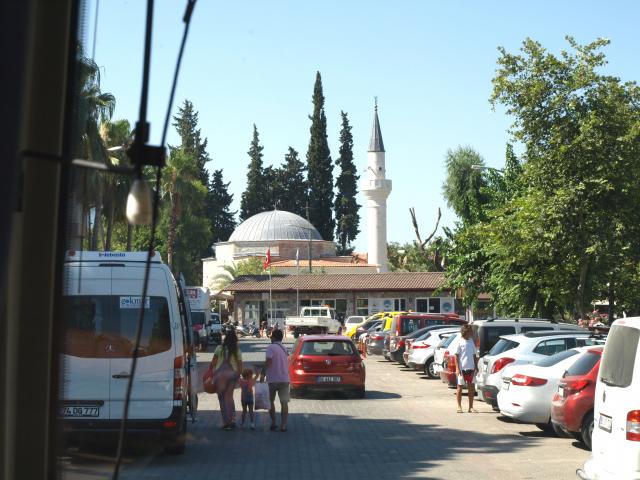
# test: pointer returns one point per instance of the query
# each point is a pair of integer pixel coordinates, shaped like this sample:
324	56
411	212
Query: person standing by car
276	370
227	365
466	354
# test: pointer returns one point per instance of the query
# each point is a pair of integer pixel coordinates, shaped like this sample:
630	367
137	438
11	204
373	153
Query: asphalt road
406	427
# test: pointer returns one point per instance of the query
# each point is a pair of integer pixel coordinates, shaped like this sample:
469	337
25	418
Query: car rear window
313	347
104	326
448	341
557	358
502	346
490	334
584	364
197	318
619	356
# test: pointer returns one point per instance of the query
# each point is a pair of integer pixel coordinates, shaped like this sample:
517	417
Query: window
428	305
251	312
362	306
492	334
502	346
557	358
619	356
551	347
327	348
400	304
341	306
584	364
100	326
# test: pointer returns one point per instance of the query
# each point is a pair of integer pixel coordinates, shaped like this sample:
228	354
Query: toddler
247	381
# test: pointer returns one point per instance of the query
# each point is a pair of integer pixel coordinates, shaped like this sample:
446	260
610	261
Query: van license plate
329	379
605	423
80	411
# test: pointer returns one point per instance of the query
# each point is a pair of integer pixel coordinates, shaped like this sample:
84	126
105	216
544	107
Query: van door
85	359
616	395
152	392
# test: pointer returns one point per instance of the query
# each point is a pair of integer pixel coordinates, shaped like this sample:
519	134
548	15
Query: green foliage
255	198
320	168
292	184
464	186
250	266
346	207
407	257
218	208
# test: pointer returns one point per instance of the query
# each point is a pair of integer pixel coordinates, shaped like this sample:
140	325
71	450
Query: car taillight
575	387
178	378
421	346
376	336
354	366
299	363
400	342
527	381
633	425
501	363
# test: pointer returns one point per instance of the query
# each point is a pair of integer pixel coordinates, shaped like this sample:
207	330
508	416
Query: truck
200	304
313	320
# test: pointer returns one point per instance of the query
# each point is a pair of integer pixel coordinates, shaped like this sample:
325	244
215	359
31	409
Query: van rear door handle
121	375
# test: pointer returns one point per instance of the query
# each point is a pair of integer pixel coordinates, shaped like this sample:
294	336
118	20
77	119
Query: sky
429	63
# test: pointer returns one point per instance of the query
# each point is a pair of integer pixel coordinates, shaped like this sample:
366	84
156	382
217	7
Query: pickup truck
313	320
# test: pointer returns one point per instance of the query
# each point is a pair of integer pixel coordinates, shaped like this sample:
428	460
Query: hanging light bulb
139	210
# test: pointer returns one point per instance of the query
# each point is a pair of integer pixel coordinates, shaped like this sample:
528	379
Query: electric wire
158	180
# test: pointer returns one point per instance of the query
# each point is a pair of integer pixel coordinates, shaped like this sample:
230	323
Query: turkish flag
267	260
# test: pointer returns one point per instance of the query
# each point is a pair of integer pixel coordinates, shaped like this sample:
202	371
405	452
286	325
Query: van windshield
619	356
104	326
197	318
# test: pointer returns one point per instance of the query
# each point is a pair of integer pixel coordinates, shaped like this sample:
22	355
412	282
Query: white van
616	431
103	293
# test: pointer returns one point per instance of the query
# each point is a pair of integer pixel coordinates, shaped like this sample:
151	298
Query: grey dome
274	225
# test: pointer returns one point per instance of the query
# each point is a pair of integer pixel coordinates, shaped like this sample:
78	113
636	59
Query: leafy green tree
250	266
346	206
256	196
320	168
465	186
292	181
407	257
191	142
219	208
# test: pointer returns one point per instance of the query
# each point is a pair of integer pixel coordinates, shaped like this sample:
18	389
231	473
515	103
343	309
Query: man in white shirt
466	355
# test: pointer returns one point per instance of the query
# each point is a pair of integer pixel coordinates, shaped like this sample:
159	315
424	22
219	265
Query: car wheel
429	369
586	431
178	444
295	392
557	429
359	393
545	427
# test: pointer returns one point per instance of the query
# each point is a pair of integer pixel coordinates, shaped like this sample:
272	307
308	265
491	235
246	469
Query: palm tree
250	266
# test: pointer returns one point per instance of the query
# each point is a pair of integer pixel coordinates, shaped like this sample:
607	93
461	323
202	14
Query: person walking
247	382
227	365
466	355
276	370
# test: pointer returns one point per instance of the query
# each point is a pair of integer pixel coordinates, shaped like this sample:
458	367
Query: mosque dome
274	225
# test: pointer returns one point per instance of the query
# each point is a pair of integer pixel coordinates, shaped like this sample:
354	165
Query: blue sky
430	64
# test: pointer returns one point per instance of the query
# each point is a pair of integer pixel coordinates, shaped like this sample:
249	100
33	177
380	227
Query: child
247	381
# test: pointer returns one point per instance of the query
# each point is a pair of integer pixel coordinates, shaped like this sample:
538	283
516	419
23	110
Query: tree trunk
129	236
579	300
173	220
110	215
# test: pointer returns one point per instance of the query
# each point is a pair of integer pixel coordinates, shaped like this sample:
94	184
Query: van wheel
586	431
429	369
178	444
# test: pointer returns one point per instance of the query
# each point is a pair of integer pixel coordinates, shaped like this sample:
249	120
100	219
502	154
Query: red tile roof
339	282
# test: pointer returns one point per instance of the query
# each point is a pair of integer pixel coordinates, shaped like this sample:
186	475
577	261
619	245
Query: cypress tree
320	168
218	207
255	197
346	207
192	144
293	184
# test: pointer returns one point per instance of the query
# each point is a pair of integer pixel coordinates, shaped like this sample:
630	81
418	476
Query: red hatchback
572	405
326	362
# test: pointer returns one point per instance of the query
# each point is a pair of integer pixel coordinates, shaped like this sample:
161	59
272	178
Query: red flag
267	260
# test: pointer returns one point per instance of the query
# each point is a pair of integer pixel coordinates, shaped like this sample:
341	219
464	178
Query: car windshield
584	364
502	346
619	356
319	348
557	358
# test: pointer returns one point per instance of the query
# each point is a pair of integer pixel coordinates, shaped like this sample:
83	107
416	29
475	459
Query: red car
572	405
448	373
326	362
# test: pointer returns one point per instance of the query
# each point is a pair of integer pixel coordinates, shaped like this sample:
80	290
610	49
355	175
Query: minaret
376	188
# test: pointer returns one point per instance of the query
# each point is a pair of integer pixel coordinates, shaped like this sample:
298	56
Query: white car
103	305
442	350
421	353
616	432
527	390
522	349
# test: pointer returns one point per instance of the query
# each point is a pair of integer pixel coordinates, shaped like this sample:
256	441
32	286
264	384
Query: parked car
326	362
375	341
352	323
522	349
420	353
488	332
440	356
572	405
364	327
398	345
616	432
405	326
364	337
527	390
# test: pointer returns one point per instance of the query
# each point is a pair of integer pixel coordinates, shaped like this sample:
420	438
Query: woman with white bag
227	365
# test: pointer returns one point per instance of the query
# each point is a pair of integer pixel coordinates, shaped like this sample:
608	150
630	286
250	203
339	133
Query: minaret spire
376	144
